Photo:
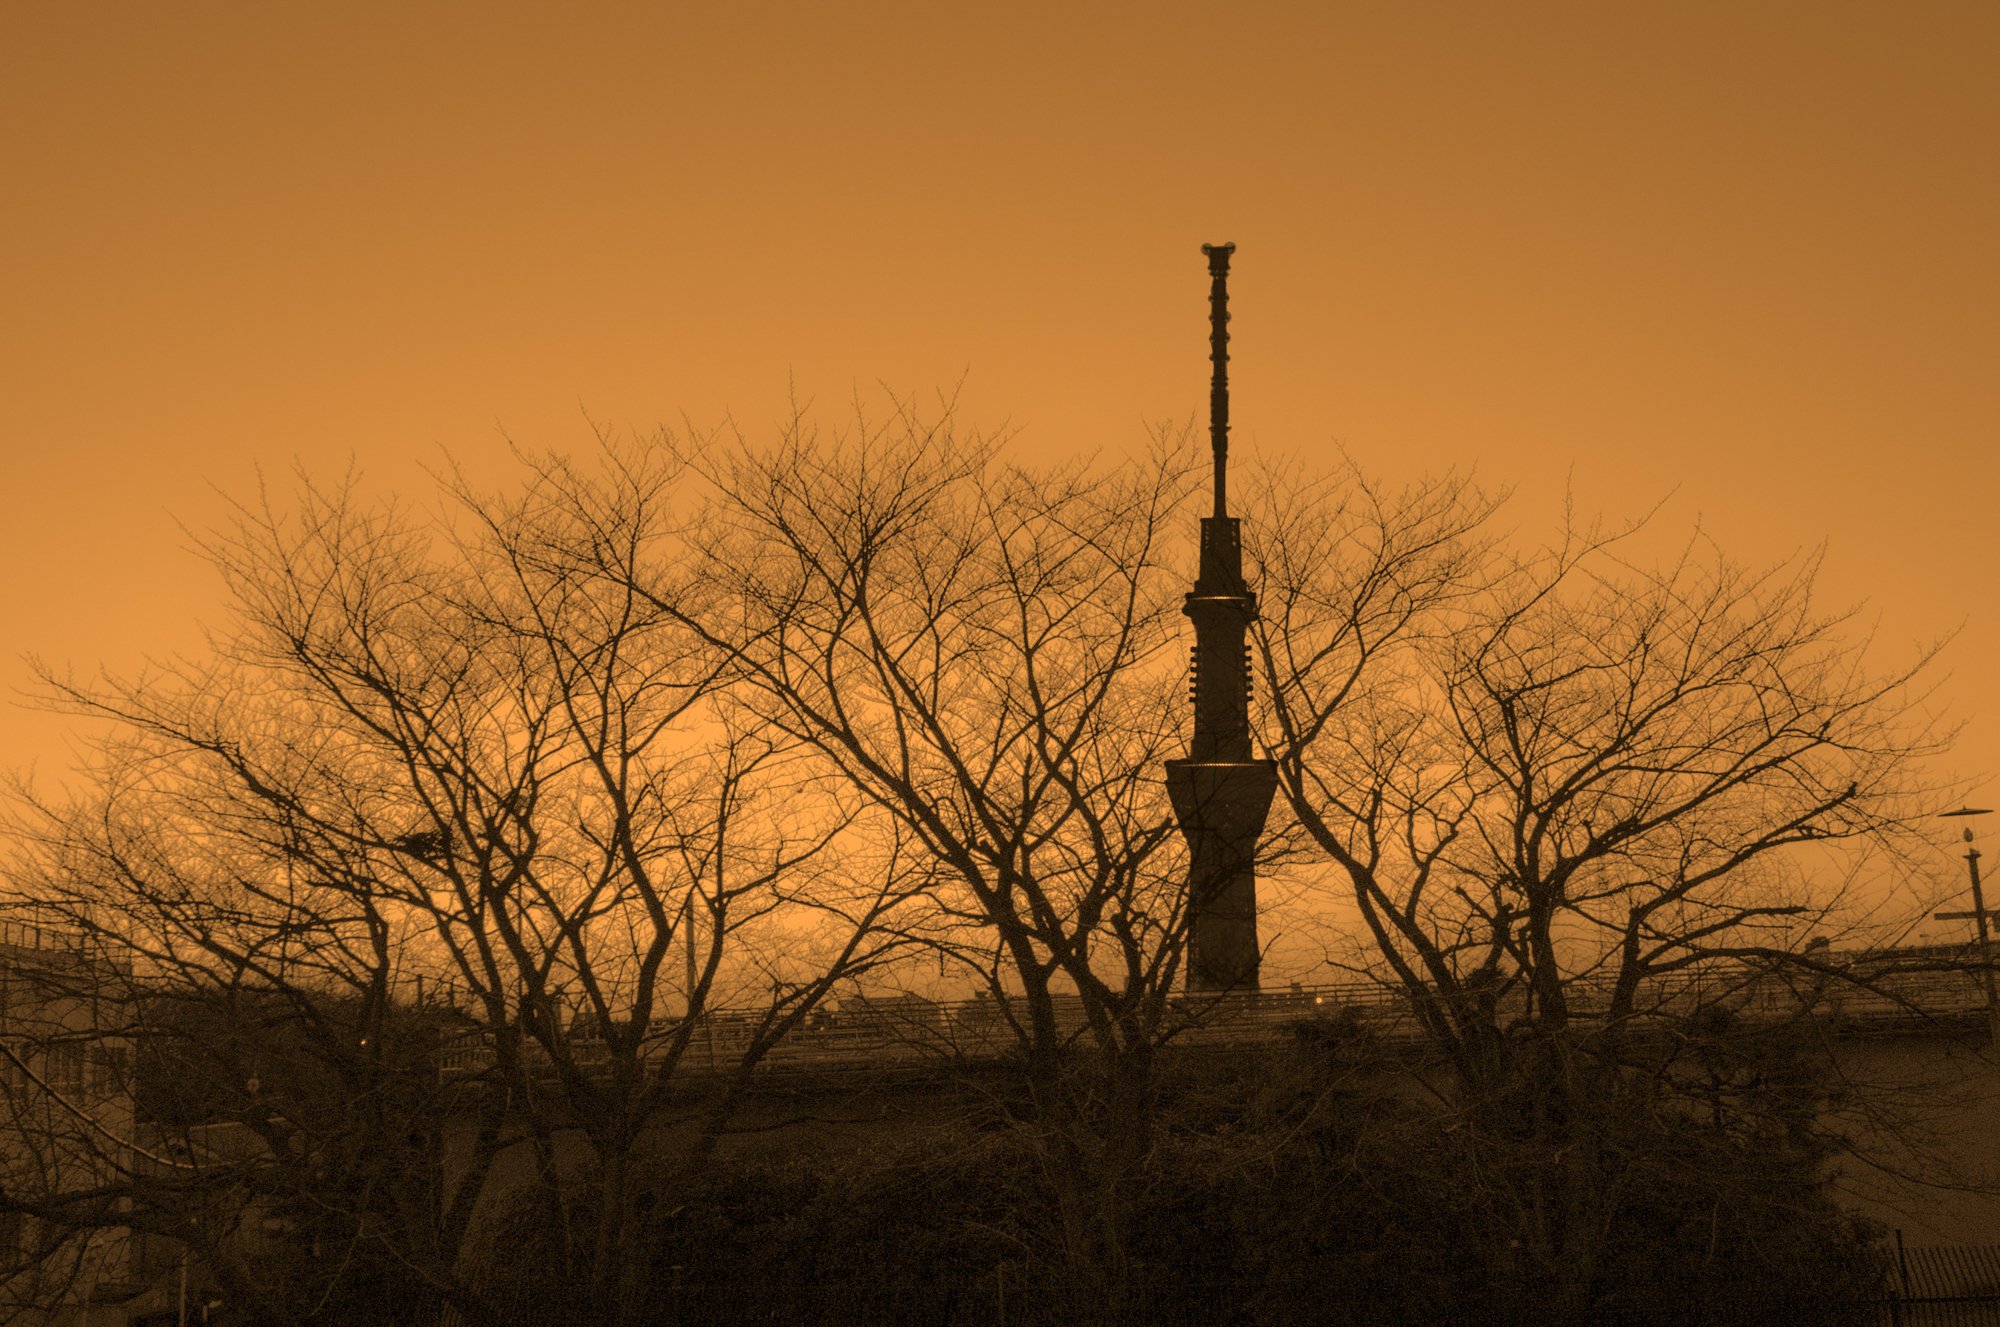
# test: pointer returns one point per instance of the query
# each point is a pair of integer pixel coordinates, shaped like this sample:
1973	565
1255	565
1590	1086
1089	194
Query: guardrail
910	1028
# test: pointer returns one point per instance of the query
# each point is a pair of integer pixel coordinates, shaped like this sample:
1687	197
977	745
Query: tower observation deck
1220	794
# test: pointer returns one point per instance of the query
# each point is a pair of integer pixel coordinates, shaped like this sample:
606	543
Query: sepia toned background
1735	258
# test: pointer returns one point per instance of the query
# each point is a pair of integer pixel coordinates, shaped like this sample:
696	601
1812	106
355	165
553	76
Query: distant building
65	1068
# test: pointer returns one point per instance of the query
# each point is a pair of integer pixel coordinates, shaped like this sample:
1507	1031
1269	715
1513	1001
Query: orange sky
1741	252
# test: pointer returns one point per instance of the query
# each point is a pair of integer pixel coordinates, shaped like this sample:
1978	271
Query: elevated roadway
1877	993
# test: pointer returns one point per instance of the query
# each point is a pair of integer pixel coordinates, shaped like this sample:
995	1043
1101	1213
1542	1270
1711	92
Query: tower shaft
1220	794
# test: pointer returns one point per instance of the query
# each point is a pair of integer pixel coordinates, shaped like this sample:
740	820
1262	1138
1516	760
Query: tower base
1221	807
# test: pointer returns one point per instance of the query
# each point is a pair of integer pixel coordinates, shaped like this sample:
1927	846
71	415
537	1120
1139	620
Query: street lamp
1978	916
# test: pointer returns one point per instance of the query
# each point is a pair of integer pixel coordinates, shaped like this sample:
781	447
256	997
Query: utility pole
1979	916
1220	794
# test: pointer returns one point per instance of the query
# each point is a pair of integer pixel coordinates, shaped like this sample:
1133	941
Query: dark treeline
1312	1183
1303	1187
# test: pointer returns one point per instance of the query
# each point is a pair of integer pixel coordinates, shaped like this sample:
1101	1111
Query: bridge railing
912	1028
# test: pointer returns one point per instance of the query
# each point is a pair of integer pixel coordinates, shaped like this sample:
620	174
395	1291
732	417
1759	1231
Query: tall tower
1220	794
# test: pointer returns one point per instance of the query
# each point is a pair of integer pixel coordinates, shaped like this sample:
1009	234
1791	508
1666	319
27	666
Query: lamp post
1978	916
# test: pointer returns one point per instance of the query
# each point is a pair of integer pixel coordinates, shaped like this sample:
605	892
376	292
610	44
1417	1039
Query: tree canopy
422	889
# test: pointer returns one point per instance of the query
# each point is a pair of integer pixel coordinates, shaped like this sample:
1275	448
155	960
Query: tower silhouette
1220	794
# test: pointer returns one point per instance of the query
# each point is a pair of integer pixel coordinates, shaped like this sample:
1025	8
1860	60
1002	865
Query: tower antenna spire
1218	357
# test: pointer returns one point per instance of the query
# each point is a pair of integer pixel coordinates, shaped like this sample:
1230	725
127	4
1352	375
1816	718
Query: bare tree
1570	804
437	802
989	656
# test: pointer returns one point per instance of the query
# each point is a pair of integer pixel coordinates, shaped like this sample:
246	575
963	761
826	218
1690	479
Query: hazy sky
1740	253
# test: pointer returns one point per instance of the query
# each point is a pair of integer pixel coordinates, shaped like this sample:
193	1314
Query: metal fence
911	1028
1946	1285
998	1300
